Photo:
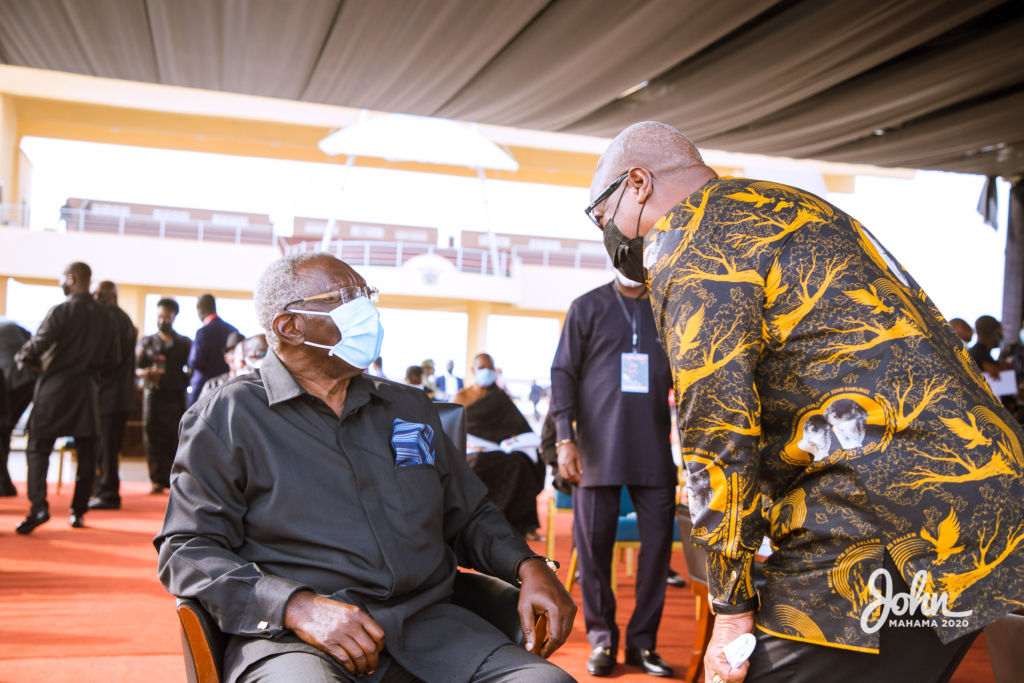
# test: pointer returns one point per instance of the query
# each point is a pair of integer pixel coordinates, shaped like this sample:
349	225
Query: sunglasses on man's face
338	297
605	194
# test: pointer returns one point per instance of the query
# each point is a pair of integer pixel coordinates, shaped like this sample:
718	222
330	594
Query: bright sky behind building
929	223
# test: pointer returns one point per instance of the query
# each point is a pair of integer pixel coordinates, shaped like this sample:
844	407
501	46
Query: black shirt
623	437
117	387
272	492
174	355
981	354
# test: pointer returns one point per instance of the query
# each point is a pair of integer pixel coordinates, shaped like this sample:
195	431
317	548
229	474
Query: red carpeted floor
85	605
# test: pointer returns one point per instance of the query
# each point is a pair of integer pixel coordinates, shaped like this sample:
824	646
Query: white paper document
527	443
1006	384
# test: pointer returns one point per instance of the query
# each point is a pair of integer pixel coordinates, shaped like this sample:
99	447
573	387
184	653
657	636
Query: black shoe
96	503
601	662
675	580
8	493
76	521
156	489
35	519
648	660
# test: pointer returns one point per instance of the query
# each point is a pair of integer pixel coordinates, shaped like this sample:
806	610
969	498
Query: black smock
73	345
623	438
117	387
271	493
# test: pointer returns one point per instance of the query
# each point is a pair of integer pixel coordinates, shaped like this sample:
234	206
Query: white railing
14	215
166	227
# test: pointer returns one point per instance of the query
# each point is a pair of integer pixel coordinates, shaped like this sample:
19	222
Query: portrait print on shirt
847	422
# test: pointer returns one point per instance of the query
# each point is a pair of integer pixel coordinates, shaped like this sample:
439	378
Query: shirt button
262	626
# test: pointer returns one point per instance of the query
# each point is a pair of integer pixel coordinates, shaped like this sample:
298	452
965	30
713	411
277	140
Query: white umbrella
423	139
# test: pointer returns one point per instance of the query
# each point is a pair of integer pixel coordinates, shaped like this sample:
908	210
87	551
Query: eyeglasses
603	196
342	296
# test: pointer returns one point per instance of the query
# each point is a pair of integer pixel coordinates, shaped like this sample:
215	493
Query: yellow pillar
476	342
3	296
132	299
8	157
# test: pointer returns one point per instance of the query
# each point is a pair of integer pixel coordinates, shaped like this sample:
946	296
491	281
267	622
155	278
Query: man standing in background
613	436
74	344
448	383
117	397
20	384
207	356
161	359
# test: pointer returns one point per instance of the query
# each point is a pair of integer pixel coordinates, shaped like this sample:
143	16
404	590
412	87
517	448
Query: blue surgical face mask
361	332
484	377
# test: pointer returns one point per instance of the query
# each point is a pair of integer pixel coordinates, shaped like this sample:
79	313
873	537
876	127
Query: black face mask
166	328
627	254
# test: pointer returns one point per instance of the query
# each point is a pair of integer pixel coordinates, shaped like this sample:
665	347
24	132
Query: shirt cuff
564	430
731	583
264	613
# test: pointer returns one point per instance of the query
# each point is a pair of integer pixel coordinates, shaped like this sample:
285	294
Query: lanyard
632	320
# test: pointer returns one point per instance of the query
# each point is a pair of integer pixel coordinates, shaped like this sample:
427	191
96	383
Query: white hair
651	145
278	286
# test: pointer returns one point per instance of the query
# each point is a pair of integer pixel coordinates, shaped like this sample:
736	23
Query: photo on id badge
635	375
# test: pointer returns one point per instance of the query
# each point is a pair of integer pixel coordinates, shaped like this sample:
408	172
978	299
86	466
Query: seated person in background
233	356
414	376
990	336
504	450
319	514
962	330
254	350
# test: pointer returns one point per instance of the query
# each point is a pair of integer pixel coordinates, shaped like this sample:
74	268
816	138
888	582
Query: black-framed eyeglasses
341	296
605	194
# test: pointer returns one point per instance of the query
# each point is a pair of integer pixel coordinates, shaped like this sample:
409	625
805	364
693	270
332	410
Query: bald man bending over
776	309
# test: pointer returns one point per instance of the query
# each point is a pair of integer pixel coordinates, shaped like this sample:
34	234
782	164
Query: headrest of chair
453	421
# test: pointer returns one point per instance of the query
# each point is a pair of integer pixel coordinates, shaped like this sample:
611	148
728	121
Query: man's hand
570	463
542	593
345	632
728	627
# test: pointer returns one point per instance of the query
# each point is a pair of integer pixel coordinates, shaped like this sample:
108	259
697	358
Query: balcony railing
14	215
136	225
465	259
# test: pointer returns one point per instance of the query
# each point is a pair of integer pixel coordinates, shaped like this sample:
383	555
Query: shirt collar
209	319
281	386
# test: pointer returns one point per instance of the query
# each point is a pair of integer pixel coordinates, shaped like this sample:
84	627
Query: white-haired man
319	514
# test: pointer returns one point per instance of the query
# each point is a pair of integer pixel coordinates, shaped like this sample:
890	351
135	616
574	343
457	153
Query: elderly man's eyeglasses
605	194
341	296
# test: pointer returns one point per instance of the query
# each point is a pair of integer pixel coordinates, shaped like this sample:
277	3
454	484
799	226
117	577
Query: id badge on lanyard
635	370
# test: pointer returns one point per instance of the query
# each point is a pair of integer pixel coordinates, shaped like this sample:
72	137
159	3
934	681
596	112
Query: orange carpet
79	606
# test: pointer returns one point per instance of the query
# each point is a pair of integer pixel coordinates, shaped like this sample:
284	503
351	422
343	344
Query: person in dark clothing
21	384
74	344
162	362
319	514
207	355
990	337
513	477
234	357
611	379
117	397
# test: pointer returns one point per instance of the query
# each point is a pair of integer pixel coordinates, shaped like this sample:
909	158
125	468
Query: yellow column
132	298
3	296
476	342
8	156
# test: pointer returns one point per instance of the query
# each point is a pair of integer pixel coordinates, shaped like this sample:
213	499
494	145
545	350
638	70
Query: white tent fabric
401	137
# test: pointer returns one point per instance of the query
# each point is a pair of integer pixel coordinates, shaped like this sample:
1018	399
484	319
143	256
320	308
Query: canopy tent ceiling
922	83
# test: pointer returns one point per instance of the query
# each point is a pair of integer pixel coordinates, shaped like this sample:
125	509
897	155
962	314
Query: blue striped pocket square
413	443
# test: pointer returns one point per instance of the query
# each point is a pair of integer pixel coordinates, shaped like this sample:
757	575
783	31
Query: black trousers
906	653
19	399
595	522
38	456
161	415
108	482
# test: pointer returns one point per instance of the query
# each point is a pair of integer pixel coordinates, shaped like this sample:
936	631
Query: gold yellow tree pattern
823	401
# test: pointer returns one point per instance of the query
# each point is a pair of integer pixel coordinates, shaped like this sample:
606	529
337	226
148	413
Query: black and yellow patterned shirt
825	402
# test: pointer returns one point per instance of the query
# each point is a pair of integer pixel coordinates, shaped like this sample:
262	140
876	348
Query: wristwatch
552	565
563	442
748	605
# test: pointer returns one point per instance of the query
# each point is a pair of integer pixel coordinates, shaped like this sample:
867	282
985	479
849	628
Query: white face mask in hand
626	282
361	332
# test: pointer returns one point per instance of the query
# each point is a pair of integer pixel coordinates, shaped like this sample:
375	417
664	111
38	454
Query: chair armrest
491	599
202	643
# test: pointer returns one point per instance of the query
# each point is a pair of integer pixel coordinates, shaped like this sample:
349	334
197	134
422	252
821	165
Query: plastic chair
492	599
67	447
627	538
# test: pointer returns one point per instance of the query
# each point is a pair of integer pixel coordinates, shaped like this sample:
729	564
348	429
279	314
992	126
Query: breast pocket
420	497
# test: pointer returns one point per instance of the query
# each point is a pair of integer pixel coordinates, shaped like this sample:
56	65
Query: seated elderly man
319	513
